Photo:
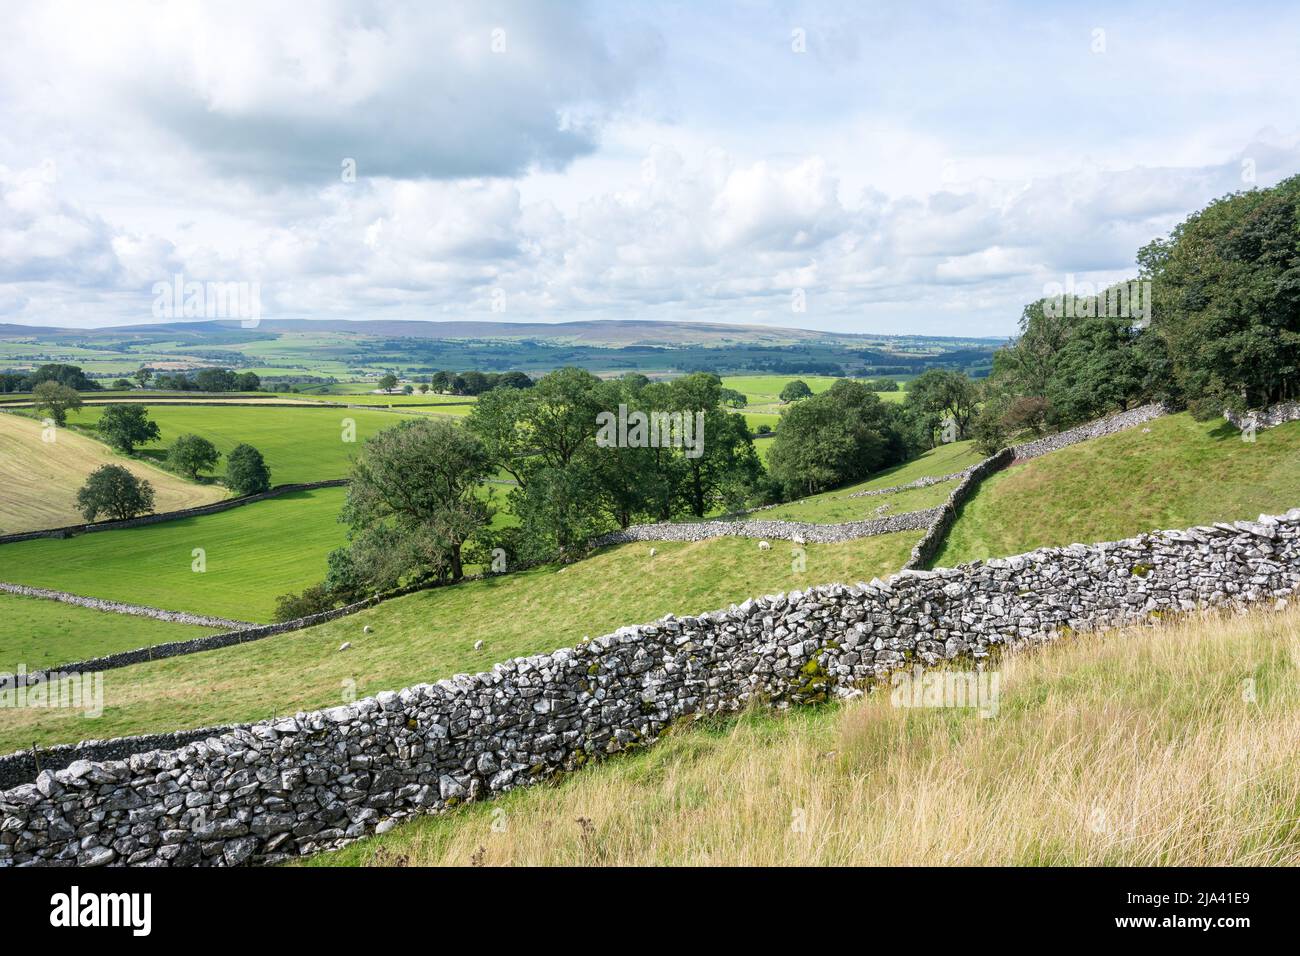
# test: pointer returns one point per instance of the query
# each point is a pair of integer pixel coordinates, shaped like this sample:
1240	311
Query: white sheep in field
764	546
653	552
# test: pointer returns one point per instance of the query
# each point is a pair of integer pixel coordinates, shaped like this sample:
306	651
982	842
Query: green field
299	444
40	633
431	634
254	554
1179	473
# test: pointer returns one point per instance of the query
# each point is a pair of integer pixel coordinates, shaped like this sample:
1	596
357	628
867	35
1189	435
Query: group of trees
1221	327
416	503
838	436
201	380
69	376
460	383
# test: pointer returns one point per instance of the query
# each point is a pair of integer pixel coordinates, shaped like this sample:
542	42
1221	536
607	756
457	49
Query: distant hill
608	333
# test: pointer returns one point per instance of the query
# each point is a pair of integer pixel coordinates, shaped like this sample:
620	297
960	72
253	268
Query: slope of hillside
431	634
40	479
1137	748
1172	473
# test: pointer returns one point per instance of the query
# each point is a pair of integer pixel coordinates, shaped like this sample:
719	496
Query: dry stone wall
1270	417
776	530
295	785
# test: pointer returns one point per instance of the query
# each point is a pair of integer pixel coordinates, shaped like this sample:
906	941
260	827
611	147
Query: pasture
299	444
41	478
253	554
40	633
1172	473
431	634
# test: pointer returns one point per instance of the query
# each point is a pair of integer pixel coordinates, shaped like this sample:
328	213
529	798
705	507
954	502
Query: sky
881	168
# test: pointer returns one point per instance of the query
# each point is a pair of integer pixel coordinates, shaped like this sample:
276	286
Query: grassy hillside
254	553
299	444
40	479
1134	749
430	635
41	633
1181	472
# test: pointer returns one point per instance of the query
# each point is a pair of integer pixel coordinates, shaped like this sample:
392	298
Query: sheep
764	546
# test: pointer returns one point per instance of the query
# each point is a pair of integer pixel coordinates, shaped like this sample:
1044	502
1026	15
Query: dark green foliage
313	600
246	470
113	491
795	391
126	426
191	454
839	436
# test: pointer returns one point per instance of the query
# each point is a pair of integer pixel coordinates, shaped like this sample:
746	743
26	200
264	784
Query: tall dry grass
1175	744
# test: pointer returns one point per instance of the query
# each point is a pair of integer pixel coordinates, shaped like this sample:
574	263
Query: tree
248	382
795	391
475	383
559	512
122	384
831	439
417	484
114	491
246	471
733	399
191	454
408	389
440	382
726	466
56	401
424	388
143	375
125	426
388	382
940	395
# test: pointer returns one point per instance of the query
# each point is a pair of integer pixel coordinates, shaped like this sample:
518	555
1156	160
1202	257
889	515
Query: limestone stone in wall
776	530
1271	417
300	784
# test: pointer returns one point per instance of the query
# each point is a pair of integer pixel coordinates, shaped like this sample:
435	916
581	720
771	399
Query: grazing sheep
345	645
653	552
798	539
478	645
764	546
366	629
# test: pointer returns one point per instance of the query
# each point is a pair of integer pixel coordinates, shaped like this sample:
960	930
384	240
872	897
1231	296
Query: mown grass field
254	553
40	479
431	634
1182	472
40	633
1137	748
299	444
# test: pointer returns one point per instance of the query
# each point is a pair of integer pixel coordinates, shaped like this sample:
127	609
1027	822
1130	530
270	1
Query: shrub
312	600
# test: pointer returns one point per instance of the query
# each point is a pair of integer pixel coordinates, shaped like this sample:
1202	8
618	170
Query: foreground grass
305	443
42	633
253	554
1147	747
1179	473
41	478
431	635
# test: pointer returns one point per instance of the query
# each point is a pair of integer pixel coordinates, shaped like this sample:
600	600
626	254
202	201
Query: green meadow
299	444
41	633
253	554
1173	473
431	634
